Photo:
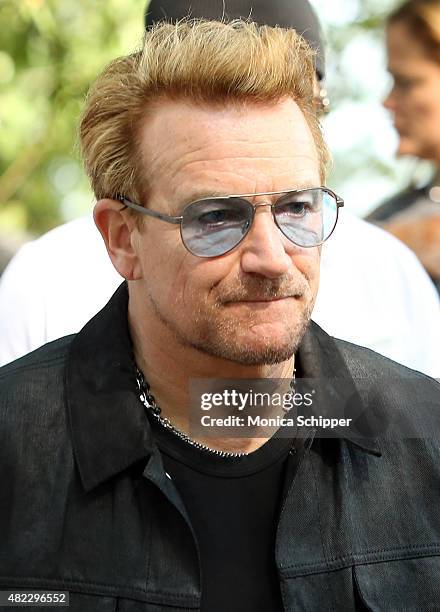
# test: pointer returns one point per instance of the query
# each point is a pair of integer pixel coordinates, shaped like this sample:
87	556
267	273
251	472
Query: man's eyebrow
201	194
196	195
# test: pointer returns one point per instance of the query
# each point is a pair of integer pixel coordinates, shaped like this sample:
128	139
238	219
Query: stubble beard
215	332
228	341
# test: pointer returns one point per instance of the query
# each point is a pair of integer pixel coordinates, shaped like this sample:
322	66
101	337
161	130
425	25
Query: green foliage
51	51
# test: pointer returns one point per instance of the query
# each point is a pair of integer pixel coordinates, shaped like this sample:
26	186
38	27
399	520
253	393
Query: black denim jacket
85	504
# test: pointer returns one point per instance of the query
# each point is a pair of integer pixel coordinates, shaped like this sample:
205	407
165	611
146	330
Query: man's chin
255	342
251	355
253	349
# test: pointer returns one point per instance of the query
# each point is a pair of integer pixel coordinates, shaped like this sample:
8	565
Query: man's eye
298	209
218	217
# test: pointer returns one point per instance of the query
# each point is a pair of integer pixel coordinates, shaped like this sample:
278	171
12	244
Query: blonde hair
422	17
205	61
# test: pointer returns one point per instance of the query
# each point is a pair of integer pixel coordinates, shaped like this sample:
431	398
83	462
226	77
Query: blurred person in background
413	46
373	290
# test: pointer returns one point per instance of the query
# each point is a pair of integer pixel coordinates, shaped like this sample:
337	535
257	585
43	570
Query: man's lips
260	300
268	299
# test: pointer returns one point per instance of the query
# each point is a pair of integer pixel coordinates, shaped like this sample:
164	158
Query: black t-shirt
233	505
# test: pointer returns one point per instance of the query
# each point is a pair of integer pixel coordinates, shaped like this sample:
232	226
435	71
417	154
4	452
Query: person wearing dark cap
283	13
207	161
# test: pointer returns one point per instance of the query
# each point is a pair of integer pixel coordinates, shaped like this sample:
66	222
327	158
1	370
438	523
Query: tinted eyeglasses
215	225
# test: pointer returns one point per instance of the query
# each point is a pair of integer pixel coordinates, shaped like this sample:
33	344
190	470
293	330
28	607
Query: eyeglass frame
177	219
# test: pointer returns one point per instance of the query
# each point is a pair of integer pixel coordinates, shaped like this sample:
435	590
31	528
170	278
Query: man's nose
265	250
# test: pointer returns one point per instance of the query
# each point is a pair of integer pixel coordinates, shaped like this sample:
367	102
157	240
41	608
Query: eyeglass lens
213	227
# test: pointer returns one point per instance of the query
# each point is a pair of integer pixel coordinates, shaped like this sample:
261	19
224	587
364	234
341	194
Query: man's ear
116	226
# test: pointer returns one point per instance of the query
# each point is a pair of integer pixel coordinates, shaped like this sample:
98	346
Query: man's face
252	304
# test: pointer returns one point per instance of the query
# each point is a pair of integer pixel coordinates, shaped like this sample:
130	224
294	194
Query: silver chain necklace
149	401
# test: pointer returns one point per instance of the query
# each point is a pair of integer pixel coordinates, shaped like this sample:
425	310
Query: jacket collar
109	427
319	358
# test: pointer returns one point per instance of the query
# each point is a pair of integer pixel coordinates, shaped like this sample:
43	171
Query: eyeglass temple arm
172	219
146	211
